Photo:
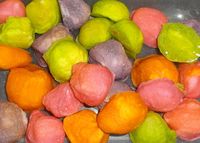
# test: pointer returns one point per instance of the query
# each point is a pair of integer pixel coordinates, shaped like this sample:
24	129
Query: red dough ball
150	22
44	129
185	119
91	83
61	101
11	8
160	95
190	78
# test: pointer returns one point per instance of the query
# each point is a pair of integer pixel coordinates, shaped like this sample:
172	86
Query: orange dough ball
124	112
11	57
27	86
153	67
190	78
82	127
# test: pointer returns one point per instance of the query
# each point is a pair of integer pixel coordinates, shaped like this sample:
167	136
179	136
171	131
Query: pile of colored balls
77	89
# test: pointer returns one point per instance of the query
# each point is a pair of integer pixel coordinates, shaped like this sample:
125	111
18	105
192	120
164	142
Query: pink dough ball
11	8
150	22
61	101
91	83
160	95
185	119
44	129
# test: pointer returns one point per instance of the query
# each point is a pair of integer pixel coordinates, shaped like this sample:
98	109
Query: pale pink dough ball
185	119
160	95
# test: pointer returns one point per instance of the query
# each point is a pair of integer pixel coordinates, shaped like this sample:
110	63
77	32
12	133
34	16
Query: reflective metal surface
176	10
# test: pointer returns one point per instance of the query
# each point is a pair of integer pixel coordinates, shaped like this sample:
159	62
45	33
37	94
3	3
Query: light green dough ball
61	56
44	14
112	9
153	130
17	32
129	34
179	43
94	32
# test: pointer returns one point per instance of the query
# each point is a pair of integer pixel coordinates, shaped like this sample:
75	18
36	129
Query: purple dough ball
43	42
112	55
74	13
39	59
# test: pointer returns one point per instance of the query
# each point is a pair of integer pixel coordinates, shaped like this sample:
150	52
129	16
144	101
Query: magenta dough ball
91	83
160	95
150	22
61	101
44	129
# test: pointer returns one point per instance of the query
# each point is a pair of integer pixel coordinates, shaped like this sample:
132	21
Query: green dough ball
153	130
94	32
17	32
44	14
112	9
179	43
61	56
129	34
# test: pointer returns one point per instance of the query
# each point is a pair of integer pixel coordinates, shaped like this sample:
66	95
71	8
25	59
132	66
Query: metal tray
176	10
